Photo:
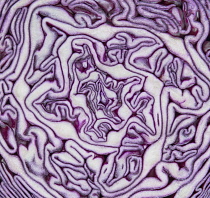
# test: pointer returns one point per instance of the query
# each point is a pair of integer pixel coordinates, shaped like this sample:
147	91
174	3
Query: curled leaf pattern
104	98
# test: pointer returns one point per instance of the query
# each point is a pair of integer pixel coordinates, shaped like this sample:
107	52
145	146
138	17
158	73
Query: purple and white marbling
104	98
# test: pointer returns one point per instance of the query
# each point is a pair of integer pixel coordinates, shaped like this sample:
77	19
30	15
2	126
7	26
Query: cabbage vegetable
104	98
